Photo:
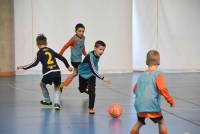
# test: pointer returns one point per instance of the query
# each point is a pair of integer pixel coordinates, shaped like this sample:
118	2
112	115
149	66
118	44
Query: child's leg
69	79
82	84
162	127
138	125
57	94
45	92
91	91
57	81
136	128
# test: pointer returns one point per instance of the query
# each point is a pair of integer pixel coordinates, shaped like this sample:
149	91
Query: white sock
57	97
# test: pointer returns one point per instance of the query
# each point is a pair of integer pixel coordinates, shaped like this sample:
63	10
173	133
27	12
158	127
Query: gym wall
170	26
107	20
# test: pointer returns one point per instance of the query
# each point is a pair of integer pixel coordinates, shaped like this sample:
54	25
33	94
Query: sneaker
43	102
91	111
61	86
57	106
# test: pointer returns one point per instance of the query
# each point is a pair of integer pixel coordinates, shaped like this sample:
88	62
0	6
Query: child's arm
33	64
60	57
93	68
95	71
163	89
71	42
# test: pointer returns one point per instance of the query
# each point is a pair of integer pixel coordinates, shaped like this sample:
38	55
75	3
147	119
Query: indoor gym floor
21	112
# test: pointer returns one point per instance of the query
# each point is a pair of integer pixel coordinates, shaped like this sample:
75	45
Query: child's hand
70	69
19	67
173	104
107	80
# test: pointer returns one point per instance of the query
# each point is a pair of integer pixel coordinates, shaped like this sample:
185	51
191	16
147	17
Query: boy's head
80	29
153	58
41	40
99	47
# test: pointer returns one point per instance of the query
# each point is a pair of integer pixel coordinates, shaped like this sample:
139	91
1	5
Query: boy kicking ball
88	71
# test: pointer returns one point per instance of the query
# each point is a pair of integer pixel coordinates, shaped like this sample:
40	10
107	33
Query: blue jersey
77	49
147	96
89	66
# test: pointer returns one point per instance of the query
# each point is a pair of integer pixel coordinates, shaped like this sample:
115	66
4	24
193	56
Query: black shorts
155	120
89	84
53	77
75	64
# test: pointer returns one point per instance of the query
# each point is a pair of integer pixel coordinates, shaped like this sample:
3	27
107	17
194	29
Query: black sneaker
61	87
57	106
43	102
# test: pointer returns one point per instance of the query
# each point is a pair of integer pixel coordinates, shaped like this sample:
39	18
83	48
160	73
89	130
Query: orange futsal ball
115	110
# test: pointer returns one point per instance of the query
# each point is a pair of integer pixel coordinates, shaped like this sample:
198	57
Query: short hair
153	58
41	39
99	43
79	25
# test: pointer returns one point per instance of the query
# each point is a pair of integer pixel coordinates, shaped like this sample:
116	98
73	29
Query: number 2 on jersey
49	61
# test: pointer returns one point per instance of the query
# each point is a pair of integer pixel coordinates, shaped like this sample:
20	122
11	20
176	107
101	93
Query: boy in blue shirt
88	71
148	90
77	46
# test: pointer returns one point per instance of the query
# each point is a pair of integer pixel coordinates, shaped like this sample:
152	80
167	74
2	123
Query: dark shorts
89	84
53	77
155	120
75	64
